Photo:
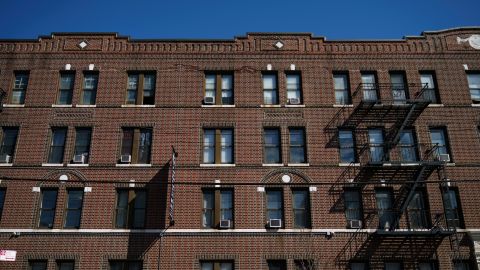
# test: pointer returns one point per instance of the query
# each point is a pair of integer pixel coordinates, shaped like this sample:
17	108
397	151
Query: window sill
132	165
218	106
216	165
348	164
52	164
137	106
436	105
475	105
343	105
6	164
85	106
298	164
271	106
13	105
77	165
61	106
295	106
452	164
272	164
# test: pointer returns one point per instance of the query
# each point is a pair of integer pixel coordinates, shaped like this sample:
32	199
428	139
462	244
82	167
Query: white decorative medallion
286	178
82	44
473	41
279	44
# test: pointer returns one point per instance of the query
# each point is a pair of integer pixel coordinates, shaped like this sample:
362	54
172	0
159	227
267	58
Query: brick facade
178	119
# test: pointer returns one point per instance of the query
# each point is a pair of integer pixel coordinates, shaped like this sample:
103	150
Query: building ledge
132	165
218	106
13	105
216	165
343	105
77	165
137	106
52	164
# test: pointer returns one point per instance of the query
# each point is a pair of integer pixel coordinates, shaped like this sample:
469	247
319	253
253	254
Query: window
214	212
20	87
301	208
463	265
453	209
342	89
126	265
417	212
270	90
274	204
353	206
38	264
57	145
393	266
130	209
427	266
408	146
304	264
377	146
73	213
297	146
67	81
429	87
474	85
272	144
369	86
9	140
294	89
48	204
3	192
90	82
346	144
65	265
136	145
82	145
219	86
399	87
358	266
386	217
439	139
277	264
216	265
141	89
218	146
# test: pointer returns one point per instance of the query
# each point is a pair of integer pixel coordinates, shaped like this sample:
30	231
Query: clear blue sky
224	19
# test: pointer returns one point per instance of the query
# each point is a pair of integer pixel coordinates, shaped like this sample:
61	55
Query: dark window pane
301	208
38	265
57	145
270	90
277	265
297	146
353	205
132	89
82	142
66	89
90	82
386	216
19	88
274	204
144	146
47	208
74	209
208	208
67	265
7	148
439	140
127	141
304	265
272	146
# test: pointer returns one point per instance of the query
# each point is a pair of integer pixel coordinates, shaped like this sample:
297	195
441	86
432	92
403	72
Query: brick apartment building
293	152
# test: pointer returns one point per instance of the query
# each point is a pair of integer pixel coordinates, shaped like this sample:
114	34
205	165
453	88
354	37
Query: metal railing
399	93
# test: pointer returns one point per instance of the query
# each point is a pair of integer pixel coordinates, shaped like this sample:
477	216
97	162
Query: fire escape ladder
406	195
405	123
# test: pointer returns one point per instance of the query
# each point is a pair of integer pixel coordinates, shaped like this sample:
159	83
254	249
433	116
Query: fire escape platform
396	172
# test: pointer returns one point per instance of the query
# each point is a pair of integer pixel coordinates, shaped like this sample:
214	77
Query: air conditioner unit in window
126	158
293	101
5	158
275	223
79	159
355	224
444	157
208	100
224	223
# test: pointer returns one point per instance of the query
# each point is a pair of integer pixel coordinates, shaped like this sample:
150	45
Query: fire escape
391	163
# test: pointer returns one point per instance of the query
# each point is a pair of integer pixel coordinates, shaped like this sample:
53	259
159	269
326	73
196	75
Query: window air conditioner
444	157
355	224
79	159
5	158
293	101
126	158
275	223
208	100
224	223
